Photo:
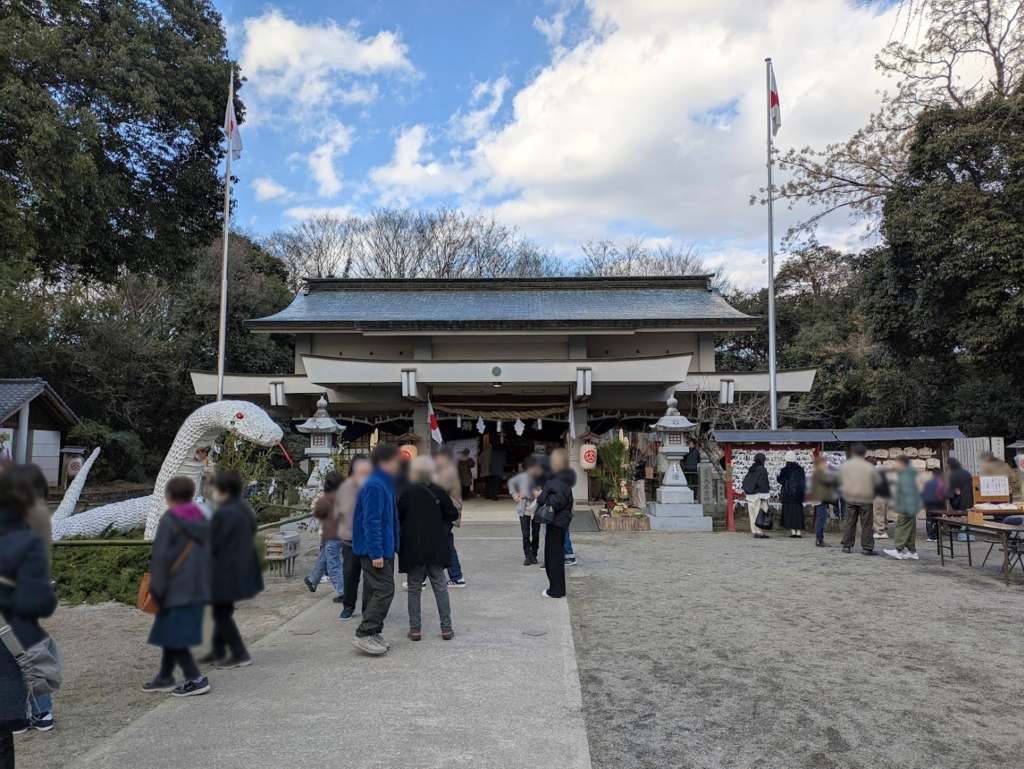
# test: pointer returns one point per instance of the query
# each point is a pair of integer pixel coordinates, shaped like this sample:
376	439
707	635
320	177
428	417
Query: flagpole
773	382
223	333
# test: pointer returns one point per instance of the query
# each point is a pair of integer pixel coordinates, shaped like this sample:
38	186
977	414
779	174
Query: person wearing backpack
180	583
26	596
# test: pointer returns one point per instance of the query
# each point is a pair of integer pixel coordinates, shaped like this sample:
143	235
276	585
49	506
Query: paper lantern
588	456
408	451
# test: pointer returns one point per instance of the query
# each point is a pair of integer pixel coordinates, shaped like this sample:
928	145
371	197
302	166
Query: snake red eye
239	415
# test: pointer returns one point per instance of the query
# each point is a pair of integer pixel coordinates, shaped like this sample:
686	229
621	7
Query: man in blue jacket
375	538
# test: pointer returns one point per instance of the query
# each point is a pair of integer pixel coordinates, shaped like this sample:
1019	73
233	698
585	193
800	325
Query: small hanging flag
519	426
480	425
540	424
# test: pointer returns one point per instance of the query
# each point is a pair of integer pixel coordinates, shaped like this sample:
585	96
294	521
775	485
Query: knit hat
790	456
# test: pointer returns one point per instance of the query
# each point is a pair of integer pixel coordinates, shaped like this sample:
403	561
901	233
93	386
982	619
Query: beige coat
448	479
858	479
344	507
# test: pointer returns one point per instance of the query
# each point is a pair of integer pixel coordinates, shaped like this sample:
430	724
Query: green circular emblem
496	371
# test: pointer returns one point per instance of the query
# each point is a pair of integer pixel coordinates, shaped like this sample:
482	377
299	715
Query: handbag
765	519
42	667
145	600
544	514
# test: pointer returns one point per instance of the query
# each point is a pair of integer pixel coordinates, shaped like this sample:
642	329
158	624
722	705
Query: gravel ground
107	660
709	650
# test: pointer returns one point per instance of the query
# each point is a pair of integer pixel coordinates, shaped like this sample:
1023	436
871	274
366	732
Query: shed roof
386	304
879	434
774	436
15	393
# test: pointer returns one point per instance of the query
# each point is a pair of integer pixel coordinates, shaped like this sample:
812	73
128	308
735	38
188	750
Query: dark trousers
352	570
931	528
493	486
554	560
382	586
183	659
859	514
6	747
455	570
531	535
225	632
467	491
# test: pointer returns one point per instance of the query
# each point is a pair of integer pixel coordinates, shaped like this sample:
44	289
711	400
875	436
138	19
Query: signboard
991	488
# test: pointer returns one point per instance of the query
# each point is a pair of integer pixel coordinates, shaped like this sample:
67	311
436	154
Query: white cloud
414	173
268	189
553	29
304	212
486	100
307	66
656	116
335	140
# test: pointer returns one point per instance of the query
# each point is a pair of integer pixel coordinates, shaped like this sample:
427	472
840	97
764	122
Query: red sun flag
435	430
773	105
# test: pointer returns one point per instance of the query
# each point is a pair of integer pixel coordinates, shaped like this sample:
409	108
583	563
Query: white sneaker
325	580
894	553
883	535
909	556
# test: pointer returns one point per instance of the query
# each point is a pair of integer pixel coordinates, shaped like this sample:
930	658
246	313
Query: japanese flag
773	105
231	127
435	429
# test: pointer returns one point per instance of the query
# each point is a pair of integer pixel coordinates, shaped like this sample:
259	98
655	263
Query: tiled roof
503	303
15	393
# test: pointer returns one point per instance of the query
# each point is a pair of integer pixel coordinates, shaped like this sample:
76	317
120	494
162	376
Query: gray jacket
522	484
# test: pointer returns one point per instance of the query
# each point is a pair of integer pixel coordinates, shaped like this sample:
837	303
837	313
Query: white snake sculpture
247	420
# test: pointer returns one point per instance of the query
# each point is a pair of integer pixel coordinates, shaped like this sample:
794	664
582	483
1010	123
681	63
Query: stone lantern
675	509
321	429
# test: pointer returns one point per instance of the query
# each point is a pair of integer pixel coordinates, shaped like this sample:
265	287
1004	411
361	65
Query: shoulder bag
145	600
41	665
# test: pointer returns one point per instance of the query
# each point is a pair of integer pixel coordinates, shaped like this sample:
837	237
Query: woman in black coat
557	494
757	490
26	596
793	482
237	575
424	512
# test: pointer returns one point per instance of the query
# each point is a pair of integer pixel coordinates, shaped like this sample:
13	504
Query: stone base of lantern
675	510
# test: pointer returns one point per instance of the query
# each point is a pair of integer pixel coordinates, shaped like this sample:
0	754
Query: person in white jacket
521	487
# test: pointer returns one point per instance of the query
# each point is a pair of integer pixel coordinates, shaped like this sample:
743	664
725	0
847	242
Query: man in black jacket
961	483
237	575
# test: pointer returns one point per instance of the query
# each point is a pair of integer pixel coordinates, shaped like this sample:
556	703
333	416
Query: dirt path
716	650
107	661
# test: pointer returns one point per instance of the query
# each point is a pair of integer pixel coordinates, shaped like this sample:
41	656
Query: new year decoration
519	427
199	430
480	425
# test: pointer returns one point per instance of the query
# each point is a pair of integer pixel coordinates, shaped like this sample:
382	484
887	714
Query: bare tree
319	246
943	47
635	256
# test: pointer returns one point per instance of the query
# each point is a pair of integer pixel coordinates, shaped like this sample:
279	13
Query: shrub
121	451
97	574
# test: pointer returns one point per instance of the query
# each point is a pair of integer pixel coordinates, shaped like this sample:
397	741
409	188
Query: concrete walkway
505	693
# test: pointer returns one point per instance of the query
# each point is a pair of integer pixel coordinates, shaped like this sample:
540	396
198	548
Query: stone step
680	524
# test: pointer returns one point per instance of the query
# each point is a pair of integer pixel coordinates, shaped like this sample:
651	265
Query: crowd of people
391	510
863	494
199	558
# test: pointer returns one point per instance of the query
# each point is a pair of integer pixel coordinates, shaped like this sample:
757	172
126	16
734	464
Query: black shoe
868	552
847	550
338	599
19	727
533	559
527	561
309	584
347	613
570	561
210	659
192	688
234	662
159	684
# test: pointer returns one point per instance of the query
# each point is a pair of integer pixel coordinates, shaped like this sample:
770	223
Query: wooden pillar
730	518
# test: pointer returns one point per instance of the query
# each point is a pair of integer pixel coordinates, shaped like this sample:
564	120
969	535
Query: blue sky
570	119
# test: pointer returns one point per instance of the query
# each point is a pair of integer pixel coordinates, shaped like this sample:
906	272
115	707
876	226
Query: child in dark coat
179	582
425	511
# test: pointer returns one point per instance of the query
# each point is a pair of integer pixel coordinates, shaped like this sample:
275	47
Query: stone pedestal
675	510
